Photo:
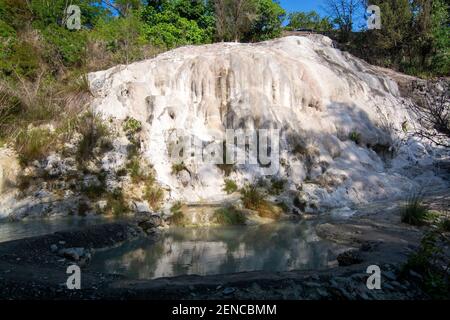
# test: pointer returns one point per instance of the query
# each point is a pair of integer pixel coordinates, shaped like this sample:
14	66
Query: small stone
142	207
101	204
53	248
415	275
75	254
228	291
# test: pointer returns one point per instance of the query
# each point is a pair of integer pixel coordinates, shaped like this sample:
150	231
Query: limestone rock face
340	119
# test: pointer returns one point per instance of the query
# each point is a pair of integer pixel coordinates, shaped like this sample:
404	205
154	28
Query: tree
248	20
123	36
440	22
173	23
234	18
432	108
343	13
122	7
413	38
309	20
268	25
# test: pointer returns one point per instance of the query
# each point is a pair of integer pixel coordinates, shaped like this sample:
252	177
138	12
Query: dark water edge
14	230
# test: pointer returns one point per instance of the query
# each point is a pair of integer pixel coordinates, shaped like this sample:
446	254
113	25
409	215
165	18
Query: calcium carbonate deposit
316	95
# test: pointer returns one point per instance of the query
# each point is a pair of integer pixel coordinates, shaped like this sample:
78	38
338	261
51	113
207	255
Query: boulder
349	258
79	255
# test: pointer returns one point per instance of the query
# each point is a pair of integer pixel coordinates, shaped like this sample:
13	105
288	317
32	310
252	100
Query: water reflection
272	247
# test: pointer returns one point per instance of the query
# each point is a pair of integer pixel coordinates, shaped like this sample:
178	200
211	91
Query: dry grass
254	199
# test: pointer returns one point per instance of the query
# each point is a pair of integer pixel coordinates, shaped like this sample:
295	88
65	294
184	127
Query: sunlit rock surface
316	95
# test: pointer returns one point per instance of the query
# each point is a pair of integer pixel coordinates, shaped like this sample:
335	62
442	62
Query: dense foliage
43	63
414	35
310	21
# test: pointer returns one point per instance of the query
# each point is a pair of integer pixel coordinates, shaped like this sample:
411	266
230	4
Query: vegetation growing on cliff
254	198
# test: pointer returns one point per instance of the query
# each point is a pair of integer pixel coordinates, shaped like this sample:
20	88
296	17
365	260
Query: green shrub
116	203
154	195
254	199
33	144
229	216
177	217
93	131
230	186
355	137
132	126
68	46
251	197
414	212
168	29
178	167
427	262
23	60
134	170
277	186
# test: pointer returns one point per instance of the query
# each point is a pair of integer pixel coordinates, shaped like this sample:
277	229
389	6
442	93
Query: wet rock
142	207
369	245
228	291
300	203
53	248
80	255
349	258
150	223
415	275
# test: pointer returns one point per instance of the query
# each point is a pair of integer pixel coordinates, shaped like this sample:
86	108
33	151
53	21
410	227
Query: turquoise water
206	251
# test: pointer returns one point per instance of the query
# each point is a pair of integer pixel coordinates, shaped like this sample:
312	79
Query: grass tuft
33	144
229	216
116	203
95	134
177	218
414	212
132	126
355	137
154	195
254	199
178	167
230	186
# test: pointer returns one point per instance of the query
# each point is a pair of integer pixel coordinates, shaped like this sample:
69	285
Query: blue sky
303	5
316	5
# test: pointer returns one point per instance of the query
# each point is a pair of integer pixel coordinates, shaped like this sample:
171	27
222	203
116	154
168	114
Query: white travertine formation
316	94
